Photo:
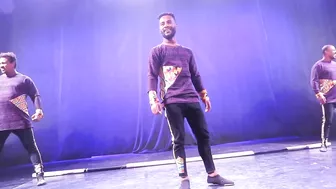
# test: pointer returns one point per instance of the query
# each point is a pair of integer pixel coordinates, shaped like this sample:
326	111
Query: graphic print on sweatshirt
21	103
169	75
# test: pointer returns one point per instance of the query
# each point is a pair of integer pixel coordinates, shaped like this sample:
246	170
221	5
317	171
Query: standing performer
323	80
179	77
14	116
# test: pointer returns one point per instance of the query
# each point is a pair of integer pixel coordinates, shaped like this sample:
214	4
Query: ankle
184	178
213	174
38	168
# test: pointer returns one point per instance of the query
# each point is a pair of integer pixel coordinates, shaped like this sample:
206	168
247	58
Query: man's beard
332	57
168	33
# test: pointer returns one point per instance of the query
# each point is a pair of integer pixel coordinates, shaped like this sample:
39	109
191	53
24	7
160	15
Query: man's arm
153	73
196	78
315	83
33	93
314	78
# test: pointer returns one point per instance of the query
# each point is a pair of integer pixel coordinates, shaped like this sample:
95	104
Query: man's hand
321	98
206	100
38	115
207	104
156	108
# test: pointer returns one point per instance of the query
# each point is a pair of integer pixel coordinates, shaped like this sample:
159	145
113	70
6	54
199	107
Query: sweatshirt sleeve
33	92
314	78
153	70
195	75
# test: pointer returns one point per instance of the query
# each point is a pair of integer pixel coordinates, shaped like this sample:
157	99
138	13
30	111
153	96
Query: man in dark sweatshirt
323	79
180	89
14	116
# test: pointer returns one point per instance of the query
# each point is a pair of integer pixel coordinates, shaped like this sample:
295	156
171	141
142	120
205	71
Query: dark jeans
193	112
327	119
27	138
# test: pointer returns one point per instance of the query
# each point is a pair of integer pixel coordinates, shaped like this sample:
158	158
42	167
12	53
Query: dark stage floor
288	169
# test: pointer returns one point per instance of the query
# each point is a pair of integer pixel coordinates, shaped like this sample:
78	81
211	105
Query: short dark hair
9	55
325	48
167	14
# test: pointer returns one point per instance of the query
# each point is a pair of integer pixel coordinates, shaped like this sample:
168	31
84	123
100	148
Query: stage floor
307	168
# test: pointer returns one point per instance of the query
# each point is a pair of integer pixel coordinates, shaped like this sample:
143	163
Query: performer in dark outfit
179	77
14	116
323	80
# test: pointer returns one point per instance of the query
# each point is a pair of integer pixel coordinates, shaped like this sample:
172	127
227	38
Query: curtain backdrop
89	61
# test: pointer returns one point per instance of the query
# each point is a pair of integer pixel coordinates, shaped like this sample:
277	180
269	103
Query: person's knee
178	143
203	141
203	136
31	148
328	122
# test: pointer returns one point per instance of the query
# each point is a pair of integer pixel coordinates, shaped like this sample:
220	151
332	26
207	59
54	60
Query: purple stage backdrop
89	60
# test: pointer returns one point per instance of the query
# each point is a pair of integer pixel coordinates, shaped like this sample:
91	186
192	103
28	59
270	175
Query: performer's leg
3	137
327	118
197	122
175	118
27	138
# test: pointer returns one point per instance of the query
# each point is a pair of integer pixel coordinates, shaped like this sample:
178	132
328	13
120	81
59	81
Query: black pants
27	138
175	114
327	119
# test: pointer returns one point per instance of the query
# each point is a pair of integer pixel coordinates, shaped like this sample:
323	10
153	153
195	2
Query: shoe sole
41	183
212	184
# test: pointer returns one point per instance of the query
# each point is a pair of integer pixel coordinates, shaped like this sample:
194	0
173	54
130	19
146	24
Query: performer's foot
218	180
39	174
323	146
185	183
40	179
